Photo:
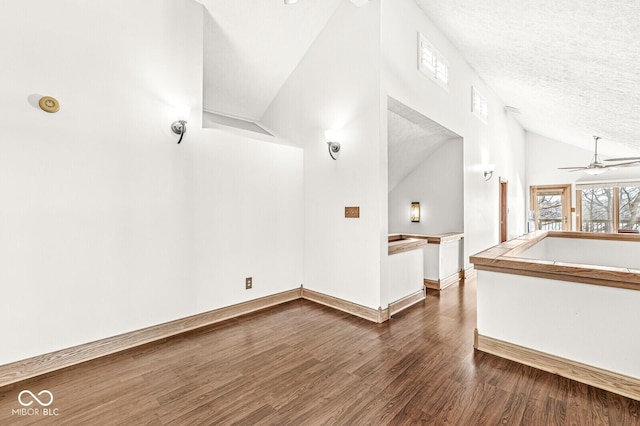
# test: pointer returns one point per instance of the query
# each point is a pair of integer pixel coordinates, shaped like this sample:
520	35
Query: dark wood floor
302	363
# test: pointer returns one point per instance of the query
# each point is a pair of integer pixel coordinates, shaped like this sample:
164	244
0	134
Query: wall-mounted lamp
488	172
415	211
332	141
179	127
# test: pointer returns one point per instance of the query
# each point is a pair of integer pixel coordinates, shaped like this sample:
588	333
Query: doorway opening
426	169
426	166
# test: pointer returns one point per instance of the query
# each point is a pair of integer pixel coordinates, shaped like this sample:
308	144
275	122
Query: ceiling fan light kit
597	167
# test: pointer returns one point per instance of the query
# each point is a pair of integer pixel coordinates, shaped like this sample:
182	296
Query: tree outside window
630	208
610	209
597	210
550	212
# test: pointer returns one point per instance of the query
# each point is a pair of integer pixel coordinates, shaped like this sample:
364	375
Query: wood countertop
399	243
504	258
405	244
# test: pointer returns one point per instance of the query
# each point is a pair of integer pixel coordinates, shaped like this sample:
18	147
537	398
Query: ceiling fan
597	167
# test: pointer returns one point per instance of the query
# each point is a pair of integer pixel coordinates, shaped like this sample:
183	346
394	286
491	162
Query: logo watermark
42	401
33	397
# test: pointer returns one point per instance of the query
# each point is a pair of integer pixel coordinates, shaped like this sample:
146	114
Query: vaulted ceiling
572	67
412	138
252	46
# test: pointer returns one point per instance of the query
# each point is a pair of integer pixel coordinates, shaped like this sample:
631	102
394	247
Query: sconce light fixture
332	141
179	127
488	172
415	211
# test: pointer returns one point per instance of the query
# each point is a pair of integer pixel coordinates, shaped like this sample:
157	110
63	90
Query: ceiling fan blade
596	166
623	159
627	164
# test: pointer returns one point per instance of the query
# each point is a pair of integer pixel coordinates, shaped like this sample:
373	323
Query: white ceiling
252	46
572	67
412	138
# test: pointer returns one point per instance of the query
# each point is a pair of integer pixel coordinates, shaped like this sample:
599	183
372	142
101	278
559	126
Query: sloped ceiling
571	67
412	137
252	46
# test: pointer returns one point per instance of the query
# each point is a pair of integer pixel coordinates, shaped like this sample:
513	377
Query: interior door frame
504	208
567	223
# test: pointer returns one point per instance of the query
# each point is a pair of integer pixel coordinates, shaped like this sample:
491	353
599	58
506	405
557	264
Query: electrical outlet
248	283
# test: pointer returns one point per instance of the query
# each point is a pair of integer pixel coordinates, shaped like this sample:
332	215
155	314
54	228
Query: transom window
432	63
479	105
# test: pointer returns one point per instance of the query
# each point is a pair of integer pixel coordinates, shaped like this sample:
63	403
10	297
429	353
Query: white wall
576	321
500	142
620	254
336	86
405	274
451	254
544	156
437	183
443	260
107	224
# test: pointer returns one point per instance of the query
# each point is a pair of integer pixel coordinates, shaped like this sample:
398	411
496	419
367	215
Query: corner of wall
332	88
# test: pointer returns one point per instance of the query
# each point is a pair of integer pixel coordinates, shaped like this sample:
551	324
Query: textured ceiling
252	46
412	137
572	67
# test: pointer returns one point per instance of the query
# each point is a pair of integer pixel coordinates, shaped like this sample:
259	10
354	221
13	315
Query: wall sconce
332	141
179	127
415	211
488	173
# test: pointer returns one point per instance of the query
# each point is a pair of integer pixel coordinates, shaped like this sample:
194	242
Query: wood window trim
579	210
616	209
566	206
503	209
615	189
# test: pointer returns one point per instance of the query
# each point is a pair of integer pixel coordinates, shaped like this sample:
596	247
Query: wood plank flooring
301	363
